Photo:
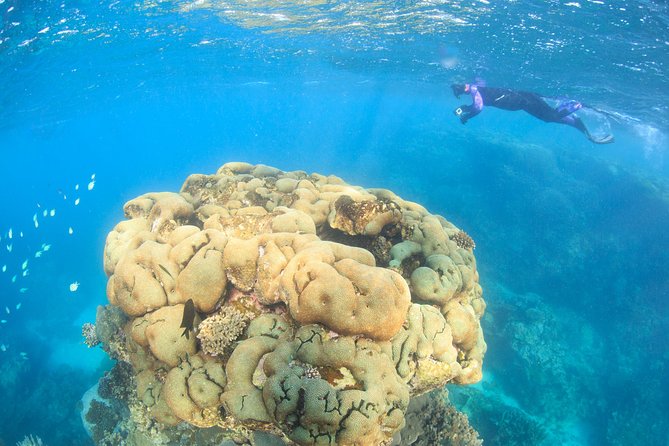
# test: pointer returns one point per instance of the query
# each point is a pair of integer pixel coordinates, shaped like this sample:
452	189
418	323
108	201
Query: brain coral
321	308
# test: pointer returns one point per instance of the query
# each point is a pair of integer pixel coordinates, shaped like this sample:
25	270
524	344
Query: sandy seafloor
571	238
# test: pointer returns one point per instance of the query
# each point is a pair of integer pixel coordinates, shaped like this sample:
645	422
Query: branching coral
103	418
463	240
319	308
433	420
216	333
118	383
30	440
89	334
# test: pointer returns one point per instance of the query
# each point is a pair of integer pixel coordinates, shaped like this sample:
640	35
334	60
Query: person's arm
466	112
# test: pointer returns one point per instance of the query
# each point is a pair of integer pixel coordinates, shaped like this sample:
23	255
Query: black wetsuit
513	100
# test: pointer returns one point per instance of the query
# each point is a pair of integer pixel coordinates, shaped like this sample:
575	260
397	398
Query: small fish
3	347
10	233
91	185
9	247
46	247
74	286
38	254
3	321
45	213
64	197
25	273
76	202
14	278
76	187
24	355
4	268
53	212
18	306
21	234
36	224
24	265
22	290
93	177
165	269
43	30
70	230
188	318
34	217
7	310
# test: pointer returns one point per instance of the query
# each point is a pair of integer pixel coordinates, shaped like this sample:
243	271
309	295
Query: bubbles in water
654	142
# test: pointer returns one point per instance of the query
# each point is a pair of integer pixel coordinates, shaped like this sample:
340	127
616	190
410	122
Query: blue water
572	243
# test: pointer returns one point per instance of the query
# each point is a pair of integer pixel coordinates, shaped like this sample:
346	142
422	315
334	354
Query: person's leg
568	107
575	122
537	107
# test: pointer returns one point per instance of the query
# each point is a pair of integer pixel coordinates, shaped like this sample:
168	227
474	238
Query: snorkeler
514	100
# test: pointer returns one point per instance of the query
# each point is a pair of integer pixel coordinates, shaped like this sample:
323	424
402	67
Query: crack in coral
310	340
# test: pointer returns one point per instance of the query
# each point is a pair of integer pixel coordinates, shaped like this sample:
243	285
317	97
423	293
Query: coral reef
217	332
103	419
463	240
89	334
30	440
109	331
118	383
499	420
557	355
444	425
320	308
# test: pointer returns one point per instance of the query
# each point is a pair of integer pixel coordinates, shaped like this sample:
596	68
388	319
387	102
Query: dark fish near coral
188	318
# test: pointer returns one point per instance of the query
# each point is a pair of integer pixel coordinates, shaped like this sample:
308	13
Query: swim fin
568	107
603	112
608	139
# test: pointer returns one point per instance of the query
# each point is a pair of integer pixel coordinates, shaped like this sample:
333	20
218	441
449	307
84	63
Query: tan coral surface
321	308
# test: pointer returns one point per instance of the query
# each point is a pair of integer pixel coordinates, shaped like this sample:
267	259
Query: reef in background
259	305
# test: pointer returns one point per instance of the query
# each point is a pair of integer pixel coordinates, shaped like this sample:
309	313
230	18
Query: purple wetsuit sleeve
469	111
477	103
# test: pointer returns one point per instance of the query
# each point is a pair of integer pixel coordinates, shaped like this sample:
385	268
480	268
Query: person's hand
459	112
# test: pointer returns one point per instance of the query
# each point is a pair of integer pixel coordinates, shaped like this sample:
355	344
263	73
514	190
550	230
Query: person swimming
513	100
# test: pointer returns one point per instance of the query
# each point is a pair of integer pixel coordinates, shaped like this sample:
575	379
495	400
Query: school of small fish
14	246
